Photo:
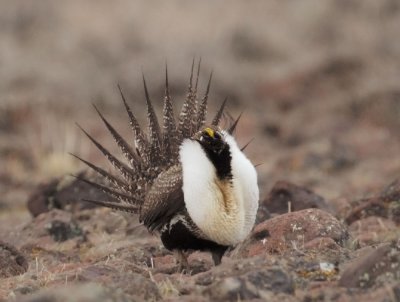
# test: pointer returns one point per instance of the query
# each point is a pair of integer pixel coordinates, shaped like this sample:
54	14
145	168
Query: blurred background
318	82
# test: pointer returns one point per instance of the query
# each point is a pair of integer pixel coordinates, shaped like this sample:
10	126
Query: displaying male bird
188	180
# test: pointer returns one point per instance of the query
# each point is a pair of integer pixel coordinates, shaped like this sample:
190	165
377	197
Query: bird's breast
216	206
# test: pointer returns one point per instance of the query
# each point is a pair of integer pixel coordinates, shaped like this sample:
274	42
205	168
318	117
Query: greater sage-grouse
188	180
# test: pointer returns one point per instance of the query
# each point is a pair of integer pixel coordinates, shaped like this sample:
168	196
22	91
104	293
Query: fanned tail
126	149
194	101
170	139
141	142
154	129
125	171
185	125
108	176
247	144
122	197
154	152
115	206
232	128
218	115
202	111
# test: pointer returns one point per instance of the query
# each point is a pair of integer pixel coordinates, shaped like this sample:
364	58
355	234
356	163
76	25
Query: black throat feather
221	161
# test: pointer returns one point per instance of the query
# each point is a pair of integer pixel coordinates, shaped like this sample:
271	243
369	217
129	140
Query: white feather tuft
245	177
225	212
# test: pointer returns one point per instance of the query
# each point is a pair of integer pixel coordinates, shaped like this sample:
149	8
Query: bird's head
211	138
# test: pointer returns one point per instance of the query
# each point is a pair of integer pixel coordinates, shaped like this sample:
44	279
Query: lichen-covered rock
53	226
330	292
375	266
293	230
243	279
62	231
12	262
262	284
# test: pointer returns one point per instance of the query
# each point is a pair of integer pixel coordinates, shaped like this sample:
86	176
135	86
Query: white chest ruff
224	211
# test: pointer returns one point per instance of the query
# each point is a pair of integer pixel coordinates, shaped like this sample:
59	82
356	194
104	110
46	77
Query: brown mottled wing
164	199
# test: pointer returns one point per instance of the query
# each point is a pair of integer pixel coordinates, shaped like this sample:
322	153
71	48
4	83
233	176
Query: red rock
342	206
300	198
38	201
165	264
168	260
294	230
386	205
321	243
188	298
372	230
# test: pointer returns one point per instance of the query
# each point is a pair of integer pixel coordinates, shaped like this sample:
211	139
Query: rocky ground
319	83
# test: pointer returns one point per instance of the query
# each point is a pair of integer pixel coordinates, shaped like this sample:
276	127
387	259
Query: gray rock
79	293
252	285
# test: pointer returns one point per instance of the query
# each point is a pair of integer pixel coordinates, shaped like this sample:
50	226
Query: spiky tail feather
154	152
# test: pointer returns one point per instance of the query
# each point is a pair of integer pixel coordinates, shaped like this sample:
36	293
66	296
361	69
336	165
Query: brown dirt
319	83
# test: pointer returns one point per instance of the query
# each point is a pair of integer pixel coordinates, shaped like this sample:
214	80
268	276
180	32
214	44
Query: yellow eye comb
210	132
